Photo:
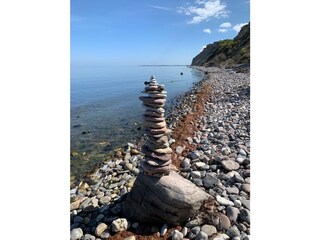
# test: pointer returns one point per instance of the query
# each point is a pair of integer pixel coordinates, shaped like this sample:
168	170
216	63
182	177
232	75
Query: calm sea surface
106	112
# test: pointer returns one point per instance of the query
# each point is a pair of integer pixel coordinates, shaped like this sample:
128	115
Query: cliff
226	53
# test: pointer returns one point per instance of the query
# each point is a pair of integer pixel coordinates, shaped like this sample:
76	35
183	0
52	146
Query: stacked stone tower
159	193
157	152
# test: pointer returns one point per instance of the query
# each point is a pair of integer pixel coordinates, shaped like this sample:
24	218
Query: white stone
163	230
119	224
100	229
184	231
224	201
237	203
176	235
76	234
195	174
199	164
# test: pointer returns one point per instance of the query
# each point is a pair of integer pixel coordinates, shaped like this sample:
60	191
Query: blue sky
126	32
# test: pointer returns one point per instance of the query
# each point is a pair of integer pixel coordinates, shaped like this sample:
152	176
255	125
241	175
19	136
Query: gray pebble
230	165
233	232
201	236
209	229
210	180
232	190
185	163
245	187
245	215
195	230
232	213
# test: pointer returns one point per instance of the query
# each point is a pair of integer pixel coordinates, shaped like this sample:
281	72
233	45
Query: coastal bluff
226	53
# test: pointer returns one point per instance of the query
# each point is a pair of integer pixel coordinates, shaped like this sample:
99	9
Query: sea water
106	112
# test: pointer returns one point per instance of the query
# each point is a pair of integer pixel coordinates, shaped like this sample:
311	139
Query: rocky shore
211	144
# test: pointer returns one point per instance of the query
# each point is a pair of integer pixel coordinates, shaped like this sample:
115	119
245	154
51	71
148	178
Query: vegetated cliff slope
226	53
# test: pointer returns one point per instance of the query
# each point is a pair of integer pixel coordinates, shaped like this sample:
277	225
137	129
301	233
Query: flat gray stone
193	223
194	155
230	165
185	163
245	187
245	215
232	213
232	190
233	232
224	222
210	180
201	236
245	203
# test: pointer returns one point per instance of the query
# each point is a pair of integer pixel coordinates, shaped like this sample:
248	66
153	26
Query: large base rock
170	199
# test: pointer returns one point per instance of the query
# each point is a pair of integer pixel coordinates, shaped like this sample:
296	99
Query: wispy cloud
225	25
222	30
161	8
76	18
205	10
207	30
238	27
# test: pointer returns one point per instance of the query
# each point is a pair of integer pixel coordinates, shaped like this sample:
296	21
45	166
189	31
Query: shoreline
211	144
172	114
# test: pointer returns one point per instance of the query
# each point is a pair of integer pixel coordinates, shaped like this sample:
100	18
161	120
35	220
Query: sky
126	32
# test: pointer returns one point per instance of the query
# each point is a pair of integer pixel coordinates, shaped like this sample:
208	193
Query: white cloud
225	25
207	30
206	10
203	47
161	8
238	27
222	30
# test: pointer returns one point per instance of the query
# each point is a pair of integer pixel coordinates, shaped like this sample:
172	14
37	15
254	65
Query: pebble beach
211	148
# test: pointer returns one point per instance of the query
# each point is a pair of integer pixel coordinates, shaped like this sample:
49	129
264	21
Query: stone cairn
157	152
159	194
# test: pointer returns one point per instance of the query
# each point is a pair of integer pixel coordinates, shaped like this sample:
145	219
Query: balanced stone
153	113
152	100
152	109
161	140
154	119
157	130
154	105
154	124
156	146
156	162
148	152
